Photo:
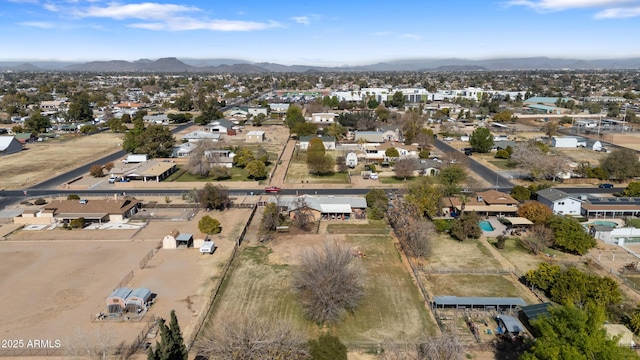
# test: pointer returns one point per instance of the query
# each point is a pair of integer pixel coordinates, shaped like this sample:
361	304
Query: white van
208	247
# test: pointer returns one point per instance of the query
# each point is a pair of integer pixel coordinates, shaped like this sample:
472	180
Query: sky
324	33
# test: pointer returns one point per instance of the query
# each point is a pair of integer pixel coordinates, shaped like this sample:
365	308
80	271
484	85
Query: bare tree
404	168
532	158
302	215
101	345
199	163
414	232
329	281
446	346
539	238
251	338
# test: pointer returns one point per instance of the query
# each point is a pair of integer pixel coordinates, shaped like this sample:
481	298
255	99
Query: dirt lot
56	286
53	157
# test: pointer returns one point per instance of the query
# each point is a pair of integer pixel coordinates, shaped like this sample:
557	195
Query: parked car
605	186
468	152
272	189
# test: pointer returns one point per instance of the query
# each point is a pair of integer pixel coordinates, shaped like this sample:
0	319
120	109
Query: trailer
208	247
135	158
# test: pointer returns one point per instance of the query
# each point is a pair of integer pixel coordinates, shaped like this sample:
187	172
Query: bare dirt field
43	160
56	286
452	254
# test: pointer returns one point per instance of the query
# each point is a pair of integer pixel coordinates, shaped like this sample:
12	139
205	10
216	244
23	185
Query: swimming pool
602	223
486	226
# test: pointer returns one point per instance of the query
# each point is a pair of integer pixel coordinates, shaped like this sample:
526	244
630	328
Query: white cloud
185	24
302	20
411	36
559	5
38	24
143	11
619	13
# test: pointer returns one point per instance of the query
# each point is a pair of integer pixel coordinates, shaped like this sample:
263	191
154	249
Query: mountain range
175	65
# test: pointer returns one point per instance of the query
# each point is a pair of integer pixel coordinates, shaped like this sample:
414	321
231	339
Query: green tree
633	189
372	103
37	123
73	197
521	193
77	223
621	164
335	130
294	117
377	203
157	142
570	235
315	148
574	333
243	157
259	119
88	129
133	139
451	177
502	154
271	217
397	100
213	197
171	345
481	140
80	108
209	225
391	152
304	128
551	128
184	103
503	116
327	347
256	169
425	196
466	226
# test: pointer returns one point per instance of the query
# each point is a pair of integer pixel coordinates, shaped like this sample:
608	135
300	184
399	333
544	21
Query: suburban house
96	211
236	112
610	207
619	236
590	144
255	136
323	118
351	159
490	202
128	105
152	170
560	202
156	119
369	136
9	145
51	105
220	157
390	133
279	108
544	100
328	141
183	150
198	135
221	126
324	207
427	167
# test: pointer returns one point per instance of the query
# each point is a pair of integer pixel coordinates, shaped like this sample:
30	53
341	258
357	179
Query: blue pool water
486	226
602	223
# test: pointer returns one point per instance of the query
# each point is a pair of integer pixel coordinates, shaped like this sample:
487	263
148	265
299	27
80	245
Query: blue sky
325	32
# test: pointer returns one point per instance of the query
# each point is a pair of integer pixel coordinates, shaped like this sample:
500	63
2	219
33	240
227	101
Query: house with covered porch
324	207
611	207
490	202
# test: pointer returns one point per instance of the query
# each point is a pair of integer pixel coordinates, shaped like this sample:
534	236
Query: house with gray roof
183	150
221	126
323	207
370	136
329	142
198	135
560	202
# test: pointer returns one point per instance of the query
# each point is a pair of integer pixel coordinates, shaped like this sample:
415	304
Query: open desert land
57	285
392	308
43	160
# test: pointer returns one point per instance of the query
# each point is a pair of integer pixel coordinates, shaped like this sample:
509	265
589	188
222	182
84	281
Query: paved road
484	172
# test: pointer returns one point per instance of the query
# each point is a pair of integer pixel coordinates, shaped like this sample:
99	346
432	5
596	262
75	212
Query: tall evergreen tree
171	345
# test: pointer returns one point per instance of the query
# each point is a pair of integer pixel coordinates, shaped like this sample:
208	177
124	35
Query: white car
448	138
373	176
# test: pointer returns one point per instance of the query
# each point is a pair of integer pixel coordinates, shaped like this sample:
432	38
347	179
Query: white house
323	118
198	135
564	142
560	202
279	108
351	160
221	126
222	158
183	150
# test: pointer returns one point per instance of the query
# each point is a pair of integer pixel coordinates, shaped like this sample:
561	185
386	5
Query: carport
517	222
485	303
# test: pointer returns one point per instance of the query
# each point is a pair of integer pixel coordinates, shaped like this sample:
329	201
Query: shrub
501	241
502	154
442	225
39	201
73	197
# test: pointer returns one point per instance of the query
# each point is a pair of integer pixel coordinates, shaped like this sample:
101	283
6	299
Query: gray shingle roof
552	194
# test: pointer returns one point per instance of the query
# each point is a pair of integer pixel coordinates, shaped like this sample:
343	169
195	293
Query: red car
272	189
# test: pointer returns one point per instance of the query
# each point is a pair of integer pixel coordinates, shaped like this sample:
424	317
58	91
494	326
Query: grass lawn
392	307
237	174
298	172
374	228
473	285
453	254
395	180
634	223
500	163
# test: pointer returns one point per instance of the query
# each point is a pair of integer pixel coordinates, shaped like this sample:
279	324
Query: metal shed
137	299
477	302
116	302
185	240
